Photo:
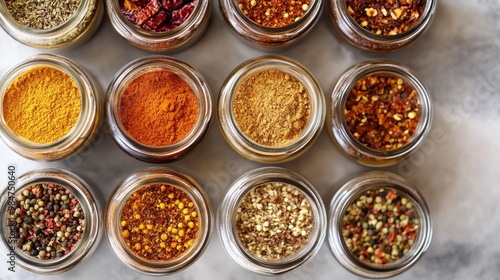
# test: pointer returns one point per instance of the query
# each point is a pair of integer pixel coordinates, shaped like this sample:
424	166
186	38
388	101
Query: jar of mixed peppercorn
158	221
271	221
379	225
381	25
379	113
51	221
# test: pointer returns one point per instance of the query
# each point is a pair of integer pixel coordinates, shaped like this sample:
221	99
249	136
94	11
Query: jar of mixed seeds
269	25
51	24
158	221
159	25
271	109
379	113
381	26
49	108
271	221
379	225
51	221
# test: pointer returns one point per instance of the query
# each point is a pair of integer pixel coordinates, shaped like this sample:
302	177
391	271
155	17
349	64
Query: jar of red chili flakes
51	220
271	24
158	221
379	113
379	225
159	25
381	26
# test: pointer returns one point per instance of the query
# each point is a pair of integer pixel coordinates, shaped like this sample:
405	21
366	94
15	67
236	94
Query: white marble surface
456	170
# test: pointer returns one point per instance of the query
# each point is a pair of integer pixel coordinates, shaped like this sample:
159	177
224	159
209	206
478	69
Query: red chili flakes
388	17
382	111
274	13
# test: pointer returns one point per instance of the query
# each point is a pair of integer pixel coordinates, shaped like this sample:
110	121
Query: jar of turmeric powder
49	108
158	109
158	221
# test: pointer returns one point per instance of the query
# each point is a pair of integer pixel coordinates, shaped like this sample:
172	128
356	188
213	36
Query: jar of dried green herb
379	225
50	219
48	24
271	221
271	109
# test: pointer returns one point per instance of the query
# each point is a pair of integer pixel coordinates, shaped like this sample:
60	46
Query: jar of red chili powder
271	24
159	25
379	225
158	221
51	220
379	113
381	26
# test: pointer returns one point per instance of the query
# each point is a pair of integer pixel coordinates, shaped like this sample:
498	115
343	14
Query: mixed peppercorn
274	13
49	220
159	222
382	111
380	226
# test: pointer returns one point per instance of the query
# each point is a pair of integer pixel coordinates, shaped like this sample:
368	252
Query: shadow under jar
52	221
51	24
379	113
271	221
379	225
271	109
268	24
381	26
158	221
159	25
67	108
159	109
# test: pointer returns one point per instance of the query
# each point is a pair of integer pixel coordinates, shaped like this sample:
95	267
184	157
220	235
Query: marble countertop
456	169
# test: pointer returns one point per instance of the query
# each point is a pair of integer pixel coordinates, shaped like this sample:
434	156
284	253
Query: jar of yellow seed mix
49	108
158	221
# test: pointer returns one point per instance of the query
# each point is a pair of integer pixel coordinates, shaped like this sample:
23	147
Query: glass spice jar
85	197
379	225
271	194
266	37
78	29
275	70
176	39
87	122
165	178
419	119
189	76
359	36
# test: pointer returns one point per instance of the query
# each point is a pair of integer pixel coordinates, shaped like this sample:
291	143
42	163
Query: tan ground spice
271	107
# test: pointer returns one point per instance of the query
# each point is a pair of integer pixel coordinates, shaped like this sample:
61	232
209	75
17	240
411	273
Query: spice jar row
270	109
169	25
158	221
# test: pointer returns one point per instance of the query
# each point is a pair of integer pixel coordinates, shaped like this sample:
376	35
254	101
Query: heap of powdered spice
42	104
158	108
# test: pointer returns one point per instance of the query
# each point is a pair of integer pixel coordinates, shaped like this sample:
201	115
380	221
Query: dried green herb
42	14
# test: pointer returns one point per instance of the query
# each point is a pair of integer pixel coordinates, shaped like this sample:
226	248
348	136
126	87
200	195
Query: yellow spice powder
42	104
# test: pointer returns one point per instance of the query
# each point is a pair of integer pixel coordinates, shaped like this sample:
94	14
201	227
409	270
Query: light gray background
456	170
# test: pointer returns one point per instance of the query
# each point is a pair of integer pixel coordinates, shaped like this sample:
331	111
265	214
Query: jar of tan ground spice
271	221
51	221
271	109
48	24
158	108
379	113
158	221
49	108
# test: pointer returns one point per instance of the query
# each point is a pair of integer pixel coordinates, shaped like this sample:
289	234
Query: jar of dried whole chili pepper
271	221
80	25
268	24
158	109
379	113
159	25
271	109
158	221
51	221
379	225
381	26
